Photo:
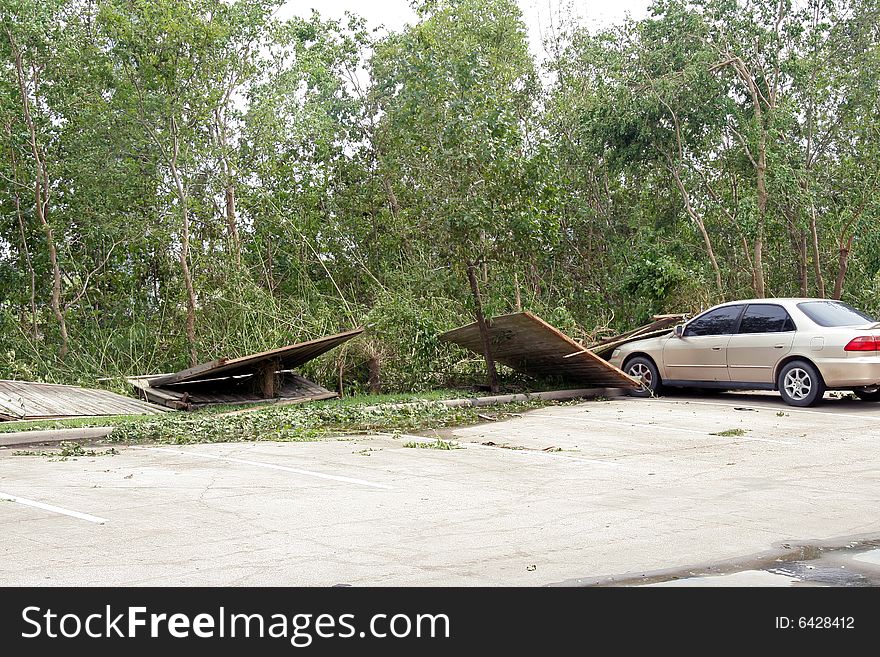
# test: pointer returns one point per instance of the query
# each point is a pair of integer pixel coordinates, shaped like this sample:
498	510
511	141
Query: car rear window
834	313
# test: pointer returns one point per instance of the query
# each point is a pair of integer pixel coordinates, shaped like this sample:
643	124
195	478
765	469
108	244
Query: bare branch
88	278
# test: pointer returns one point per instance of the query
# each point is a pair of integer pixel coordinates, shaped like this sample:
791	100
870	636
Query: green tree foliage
185	179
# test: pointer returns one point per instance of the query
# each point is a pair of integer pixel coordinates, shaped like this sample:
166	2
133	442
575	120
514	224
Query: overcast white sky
393	14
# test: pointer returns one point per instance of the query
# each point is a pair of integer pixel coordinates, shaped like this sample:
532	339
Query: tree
455	93
31	30
180	63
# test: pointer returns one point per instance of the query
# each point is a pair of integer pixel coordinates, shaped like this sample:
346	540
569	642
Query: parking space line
53	509
705	434
272	466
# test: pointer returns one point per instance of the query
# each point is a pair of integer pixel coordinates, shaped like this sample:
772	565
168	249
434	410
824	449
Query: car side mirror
678	331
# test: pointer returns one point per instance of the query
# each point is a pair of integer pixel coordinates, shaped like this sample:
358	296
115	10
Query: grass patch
730	432
220	409
307	422
435	444
68	450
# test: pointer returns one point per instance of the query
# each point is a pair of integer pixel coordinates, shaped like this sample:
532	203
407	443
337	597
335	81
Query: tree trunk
798	239
190	290
393	203
701	225
483	326
374	367
340	387
518	298
24	243
30	267
842	267
183	199
761	171
814	228
228	186
56	285
41	197
802	265
817	262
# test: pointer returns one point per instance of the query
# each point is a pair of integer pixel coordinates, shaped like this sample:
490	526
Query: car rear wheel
800	384
867	394
645	372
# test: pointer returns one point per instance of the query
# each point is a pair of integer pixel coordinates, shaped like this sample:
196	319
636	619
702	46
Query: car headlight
615	354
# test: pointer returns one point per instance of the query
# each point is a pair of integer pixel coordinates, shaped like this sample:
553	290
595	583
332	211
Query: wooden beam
267	379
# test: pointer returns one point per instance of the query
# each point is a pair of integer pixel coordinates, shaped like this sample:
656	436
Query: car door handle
779	346
716	348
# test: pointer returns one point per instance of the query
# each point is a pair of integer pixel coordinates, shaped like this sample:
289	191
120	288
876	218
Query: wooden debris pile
659	325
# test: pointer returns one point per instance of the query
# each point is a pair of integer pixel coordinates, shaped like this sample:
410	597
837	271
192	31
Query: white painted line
704	434
272	466
53	509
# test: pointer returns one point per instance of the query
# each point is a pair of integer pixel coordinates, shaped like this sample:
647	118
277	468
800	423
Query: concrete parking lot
597	492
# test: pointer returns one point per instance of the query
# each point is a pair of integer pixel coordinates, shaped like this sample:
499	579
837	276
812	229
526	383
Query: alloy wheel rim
798	383
641	373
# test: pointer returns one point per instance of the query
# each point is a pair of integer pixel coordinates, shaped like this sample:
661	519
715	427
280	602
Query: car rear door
700	355
766	334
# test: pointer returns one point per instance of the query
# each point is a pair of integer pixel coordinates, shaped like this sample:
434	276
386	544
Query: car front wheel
645	372
867	394
800	384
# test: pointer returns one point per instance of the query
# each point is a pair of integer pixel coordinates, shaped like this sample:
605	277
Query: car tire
867	394
800	384
644	370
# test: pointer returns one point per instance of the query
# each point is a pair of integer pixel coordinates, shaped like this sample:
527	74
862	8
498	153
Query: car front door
766	333
700	354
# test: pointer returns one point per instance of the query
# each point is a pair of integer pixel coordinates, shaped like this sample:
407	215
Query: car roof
784	301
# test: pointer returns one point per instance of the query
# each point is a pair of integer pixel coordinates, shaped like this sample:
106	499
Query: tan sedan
800	347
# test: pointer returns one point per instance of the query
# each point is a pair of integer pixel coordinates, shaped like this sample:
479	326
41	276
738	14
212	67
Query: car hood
646	344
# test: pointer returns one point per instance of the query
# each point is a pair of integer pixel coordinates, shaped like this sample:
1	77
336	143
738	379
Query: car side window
721	321
766	318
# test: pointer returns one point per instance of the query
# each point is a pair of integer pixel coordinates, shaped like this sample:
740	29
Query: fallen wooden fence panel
232	391
526	343
26	400
263	377
288	358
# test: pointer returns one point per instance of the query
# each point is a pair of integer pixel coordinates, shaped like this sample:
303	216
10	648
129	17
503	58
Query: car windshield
834	313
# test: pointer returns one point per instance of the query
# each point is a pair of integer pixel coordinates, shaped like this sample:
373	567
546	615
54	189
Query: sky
538	14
